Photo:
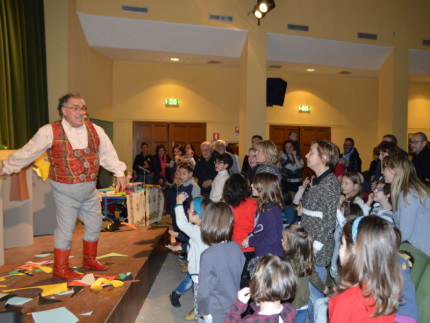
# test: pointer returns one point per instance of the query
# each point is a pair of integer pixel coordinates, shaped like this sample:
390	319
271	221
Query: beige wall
348	105
205	94
89	72
125	91
419	108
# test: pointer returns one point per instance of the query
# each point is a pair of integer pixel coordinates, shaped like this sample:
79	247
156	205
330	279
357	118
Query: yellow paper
3	278
46	269
43	165
47	289
98	283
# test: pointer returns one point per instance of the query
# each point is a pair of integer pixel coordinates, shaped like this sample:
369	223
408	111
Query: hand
2	173
294	153
300	209
342	199
121	183
374	184
370	199
174	248
306	182
173	233
243	295
207	183
180	198
326	290
245	243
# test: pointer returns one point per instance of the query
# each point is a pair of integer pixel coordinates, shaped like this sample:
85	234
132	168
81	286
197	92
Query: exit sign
171	103
305	108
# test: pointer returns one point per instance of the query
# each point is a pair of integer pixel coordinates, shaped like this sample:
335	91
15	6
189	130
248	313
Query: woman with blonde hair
319	209
267	156
410	199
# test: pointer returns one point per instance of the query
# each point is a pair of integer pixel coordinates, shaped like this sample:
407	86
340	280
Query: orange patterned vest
73	166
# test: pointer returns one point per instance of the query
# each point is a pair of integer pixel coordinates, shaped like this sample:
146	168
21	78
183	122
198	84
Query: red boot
90	252
61	265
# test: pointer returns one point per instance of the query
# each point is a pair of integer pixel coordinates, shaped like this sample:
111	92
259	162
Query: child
267	234
170	194
188	186
221	264
267	156
370	281
189	157
297	244
191	228
223	162
346	211
350	184
235	194
272	283
382	196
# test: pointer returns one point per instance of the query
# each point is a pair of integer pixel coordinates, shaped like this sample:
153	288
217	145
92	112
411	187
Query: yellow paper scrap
112	254
43	165
46	269
47	289
103	281
3	278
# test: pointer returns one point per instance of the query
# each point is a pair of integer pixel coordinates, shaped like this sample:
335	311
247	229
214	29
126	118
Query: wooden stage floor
146	254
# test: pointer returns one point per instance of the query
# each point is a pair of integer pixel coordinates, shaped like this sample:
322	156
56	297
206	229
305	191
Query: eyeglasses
416	141
219	162
76	108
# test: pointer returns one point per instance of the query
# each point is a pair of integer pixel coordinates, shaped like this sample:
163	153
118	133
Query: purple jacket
288	314
267	234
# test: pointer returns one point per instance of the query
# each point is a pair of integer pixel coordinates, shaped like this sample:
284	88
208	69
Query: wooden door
182	133
153	133
278	134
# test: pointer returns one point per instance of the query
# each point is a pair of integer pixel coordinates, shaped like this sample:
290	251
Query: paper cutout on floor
87	314
5	297
76	283
112	254
107	277
47	289
103	282
3	278
42	165
18	300
56	315
13	272
128	277
66	293
31	266
42	255
129	225
44	301
76	290
87	280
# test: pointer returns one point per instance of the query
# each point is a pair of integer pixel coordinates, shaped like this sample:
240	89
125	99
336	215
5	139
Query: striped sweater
319	215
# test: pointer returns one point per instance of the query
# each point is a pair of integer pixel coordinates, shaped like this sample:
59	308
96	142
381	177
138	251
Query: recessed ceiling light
174	59
310	70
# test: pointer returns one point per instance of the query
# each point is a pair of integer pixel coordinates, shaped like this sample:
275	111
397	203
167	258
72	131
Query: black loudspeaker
275	91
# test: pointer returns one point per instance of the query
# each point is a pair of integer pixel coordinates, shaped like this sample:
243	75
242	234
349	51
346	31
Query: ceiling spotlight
174	59
262	8
310	70
258	13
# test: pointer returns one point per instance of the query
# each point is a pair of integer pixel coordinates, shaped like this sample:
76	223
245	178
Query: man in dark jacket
421	158
205	168
351	154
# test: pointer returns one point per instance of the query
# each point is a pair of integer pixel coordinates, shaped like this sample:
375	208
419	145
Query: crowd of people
258	242
262	239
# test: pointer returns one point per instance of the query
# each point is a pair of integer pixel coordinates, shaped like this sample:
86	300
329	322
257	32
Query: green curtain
23	85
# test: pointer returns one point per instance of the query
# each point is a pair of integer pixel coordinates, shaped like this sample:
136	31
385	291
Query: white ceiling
156	42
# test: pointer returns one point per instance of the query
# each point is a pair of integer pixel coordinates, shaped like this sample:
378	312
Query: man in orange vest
76	148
